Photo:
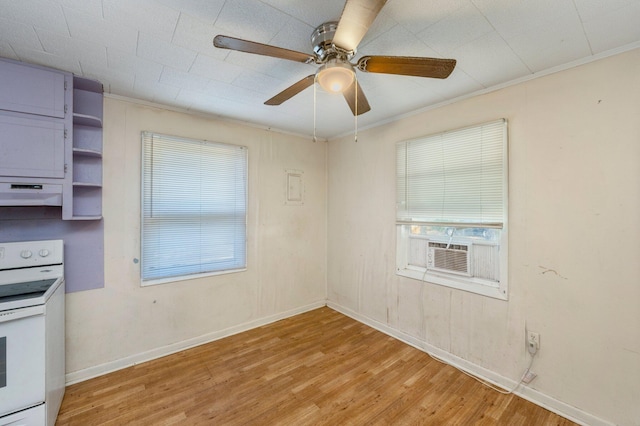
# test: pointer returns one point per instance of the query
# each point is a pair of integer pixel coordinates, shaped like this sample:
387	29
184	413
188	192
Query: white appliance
32	356
447	257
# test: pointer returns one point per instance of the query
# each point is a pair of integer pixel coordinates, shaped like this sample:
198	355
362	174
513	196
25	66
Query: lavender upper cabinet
83	201
35	122
32	90
31	146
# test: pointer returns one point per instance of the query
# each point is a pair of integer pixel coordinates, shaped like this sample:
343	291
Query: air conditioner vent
451	258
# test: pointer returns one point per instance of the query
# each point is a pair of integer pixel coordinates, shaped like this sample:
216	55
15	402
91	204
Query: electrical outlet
533	340
528	377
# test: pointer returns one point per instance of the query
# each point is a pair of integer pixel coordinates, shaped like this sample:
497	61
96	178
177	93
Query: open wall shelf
84	199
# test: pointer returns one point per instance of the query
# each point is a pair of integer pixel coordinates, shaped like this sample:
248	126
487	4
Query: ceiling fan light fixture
335	76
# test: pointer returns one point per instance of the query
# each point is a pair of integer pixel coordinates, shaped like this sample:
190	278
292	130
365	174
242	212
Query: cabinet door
31	90
31	147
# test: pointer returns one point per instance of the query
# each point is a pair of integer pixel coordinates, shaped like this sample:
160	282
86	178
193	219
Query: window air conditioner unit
449	258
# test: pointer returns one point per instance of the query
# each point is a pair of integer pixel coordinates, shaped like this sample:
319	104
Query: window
194	207
452	209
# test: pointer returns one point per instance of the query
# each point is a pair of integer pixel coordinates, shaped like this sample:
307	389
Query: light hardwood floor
317	368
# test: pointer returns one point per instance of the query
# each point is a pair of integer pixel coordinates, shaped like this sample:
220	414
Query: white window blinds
194	203
456	177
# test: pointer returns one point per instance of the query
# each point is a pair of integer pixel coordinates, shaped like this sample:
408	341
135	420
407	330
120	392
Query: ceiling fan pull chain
355	116
315	139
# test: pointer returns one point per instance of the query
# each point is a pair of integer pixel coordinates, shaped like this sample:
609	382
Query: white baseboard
565	410
119	364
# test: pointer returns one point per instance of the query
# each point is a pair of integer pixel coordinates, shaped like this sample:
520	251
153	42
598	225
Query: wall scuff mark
553	271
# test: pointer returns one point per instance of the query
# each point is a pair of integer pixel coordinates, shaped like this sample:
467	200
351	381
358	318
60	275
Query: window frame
404	268
188	276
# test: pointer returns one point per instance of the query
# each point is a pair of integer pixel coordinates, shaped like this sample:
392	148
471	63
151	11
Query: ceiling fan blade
225	42
350	97
405	65
357	17
292	90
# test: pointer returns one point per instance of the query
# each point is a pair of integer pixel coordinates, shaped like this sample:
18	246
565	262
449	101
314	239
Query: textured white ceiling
161	50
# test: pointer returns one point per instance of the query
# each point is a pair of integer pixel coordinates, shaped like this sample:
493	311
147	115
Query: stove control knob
25	254
44	253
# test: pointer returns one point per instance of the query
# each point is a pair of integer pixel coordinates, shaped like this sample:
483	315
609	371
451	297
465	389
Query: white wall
574	244
124	323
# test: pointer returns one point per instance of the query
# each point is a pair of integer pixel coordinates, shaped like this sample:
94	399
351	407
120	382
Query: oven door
22	359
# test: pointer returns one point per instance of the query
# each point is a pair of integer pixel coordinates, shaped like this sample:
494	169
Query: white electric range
32	312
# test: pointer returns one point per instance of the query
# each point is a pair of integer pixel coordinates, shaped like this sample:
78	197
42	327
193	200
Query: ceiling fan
334	44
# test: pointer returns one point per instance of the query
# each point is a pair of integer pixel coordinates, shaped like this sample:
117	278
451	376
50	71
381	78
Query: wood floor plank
318	368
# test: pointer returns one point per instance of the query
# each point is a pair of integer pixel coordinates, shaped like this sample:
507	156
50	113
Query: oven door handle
15	314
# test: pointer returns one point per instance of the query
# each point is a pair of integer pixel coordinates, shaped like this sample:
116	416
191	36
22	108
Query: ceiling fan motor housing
322	42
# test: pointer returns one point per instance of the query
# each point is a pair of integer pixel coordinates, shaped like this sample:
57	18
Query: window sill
459	283
147	283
